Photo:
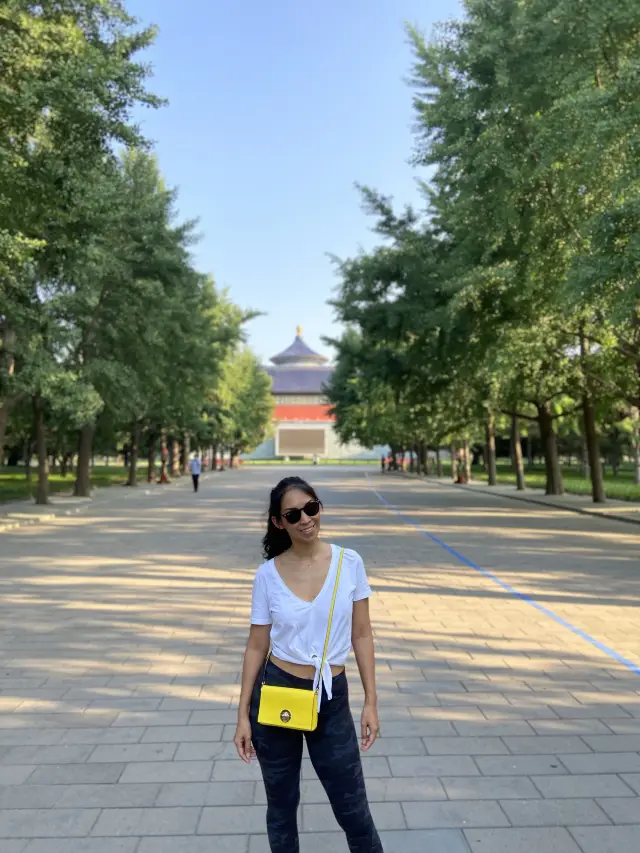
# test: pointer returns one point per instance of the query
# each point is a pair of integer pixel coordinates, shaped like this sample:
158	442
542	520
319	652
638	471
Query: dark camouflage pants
334	753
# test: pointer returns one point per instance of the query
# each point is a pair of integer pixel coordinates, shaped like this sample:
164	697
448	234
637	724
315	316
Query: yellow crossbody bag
293	707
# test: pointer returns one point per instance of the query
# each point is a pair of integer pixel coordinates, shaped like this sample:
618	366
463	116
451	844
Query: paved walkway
14	514
506	726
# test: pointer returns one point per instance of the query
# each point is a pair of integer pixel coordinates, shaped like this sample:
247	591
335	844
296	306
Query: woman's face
307	528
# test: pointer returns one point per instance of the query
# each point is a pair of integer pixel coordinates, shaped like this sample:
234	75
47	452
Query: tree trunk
467	460
589	427
635	440
151	458
28	452
4	419
164	458
584	456
214	457
516	449
42	494
7	365
175	457
616	451
438	462
423	465
134	450
550	446
186	453
529	451
593	449
170	458
82	485
492	470
454	461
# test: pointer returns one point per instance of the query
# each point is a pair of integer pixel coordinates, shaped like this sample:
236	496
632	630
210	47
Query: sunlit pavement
508	663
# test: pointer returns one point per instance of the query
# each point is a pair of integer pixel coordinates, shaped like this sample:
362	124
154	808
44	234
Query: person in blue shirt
196	467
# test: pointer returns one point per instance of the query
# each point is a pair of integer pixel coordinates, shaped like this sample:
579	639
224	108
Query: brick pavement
121	636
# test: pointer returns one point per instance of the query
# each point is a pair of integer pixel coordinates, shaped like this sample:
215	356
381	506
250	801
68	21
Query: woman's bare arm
254	658
362	639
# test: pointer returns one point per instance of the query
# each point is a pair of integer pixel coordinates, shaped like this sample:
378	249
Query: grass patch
621	488
15	487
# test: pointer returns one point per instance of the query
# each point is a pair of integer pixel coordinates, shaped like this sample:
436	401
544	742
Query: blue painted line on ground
607	650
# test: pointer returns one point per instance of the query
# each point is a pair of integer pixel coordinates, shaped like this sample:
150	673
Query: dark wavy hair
276	540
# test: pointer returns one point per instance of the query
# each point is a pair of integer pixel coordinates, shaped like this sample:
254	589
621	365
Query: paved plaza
508	650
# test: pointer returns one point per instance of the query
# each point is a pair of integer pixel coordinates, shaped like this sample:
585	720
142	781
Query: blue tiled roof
298	351
299	380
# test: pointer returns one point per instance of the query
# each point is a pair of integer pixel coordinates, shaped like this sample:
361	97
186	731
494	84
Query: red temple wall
284	412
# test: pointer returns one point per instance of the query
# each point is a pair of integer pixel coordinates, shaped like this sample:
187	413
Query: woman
292	596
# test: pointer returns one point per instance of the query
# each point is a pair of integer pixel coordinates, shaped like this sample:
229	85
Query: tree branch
513	413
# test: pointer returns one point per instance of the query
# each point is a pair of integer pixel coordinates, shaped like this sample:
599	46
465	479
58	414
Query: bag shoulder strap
333	604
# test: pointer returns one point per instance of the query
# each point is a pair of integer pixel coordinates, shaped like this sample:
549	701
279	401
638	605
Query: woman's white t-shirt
299	628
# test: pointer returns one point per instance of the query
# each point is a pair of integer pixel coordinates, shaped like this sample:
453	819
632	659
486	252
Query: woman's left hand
370	726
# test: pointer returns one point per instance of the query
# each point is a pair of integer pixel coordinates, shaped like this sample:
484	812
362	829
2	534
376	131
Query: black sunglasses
311	508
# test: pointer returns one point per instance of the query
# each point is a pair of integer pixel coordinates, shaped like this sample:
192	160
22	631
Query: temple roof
299	354
299	380
298	369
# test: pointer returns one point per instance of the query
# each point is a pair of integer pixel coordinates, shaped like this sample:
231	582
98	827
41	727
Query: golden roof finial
299	331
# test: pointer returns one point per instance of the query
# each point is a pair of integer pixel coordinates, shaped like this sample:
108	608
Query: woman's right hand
242	740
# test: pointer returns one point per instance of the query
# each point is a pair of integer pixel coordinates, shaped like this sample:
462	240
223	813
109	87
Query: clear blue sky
275	110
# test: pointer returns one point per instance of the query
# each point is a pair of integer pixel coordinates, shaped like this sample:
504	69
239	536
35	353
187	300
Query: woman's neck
305	550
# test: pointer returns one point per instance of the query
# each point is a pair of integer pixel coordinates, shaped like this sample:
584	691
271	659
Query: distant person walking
383	462
196	467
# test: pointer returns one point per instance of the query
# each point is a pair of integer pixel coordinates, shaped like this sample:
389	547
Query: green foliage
15	487
517	292
246	403
106	328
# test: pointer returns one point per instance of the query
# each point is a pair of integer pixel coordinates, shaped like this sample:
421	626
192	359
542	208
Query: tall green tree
247	403
501	104
70	80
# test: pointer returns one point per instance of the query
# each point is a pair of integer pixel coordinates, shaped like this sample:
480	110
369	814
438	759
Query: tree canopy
109	336
513	298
